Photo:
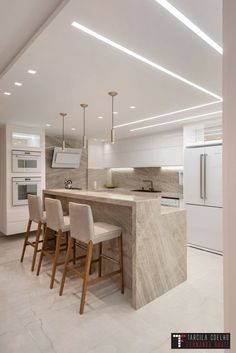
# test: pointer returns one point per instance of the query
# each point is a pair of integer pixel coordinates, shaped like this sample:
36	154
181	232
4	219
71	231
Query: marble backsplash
166	180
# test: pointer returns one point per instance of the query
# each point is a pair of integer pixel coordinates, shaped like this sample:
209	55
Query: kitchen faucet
68	184
151	183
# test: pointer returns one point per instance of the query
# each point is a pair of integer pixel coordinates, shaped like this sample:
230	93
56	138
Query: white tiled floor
34	319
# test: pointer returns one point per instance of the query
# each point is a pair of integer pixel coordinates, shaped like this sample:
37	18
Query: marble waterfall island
154	238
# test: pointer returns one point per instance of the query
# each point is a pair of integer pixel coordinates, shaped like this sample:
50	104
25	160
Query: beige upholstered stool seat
61	226
66	226
43	217
37	216
84	230
105	231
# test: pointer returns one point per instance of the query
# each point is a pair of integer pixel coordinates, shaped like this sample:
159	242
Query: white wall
163	149
229	158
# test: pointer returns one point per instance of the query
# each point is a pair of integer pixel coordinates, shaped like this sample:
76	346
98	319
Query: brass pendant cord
63	130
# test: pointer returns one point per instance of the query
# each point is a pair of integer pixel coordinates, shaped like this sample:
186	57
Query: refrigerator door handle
201	182
205	183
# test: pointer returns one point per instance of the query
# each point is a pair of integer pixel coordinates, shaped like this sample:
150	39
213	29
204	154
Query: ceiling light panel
177	121
18	84
142	59
32	72
182	18
168	114
7	93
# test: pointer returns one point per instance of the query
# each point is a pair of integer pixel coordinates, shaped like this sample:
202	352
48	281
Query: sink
73	188
142	190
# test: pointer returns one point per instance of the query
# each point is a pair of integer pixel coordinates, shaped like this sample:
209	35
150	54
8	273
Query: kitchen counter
154	238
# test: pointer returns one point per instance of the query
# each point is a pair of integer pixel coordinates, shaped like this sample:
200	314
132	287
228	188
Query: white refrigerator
203	196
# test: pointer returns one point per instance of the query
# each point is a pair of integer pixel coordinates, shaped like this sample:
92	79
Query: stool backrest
35	208
81	222
54	214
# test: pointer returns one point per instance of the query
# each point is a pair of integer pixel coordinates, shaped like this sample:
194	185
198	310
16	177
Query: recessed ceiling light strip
142	58
190	25
168	114
177	121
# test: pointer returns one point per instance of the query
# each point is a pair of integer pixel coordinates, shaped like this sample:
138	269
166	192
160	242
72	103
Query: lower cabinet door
205	227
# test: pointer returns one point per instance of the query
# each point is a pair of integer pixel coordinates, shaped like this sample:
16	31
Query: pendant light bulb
63	115
84	106
112	94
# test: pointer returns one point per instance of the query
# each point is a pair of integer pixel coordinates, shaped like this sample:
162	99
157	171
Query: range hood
67	158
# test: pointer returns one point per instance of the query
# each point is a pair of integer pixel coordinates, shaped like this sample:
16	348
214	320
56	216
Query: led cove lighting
141	58
18	84
168	114
190	25
122	169
7	93
32	72
177	167
177	121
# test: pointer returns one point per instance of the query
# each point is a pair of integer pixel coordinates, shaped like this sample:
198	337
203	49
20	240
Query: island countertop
110	197
102	196
154	238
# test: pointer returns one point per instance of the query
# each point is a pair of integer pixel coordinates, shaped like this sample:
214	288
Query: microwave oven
26	161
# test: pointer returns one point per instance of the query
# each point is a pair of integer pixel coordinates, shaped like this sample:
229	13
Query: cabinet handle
205	183
201	184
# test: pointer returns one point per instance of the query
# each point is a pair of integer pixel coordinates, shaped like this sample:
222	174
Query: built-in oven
26	161
22	187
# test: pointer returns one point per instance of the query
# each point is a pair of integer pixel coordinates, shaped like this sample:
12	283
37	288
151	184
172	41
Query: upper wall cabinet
163	149
25	138
20	139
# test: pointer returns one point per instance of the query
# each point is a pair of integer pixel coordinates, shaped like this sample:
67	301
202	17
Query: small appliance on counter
68	185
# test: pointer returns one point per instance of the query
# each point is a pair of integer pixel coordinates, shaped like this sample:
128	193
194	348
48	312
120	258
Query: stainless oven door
26	161
22	187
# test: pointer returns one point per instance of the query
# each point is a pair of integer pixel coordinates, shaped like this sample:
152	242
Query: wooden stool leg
121	263
100	260
70	245
74	252
26	240
45	239
59	235
86	275
38	233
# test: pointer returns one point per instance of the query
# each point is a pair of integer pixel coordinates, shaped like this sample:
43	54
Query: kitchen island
154	238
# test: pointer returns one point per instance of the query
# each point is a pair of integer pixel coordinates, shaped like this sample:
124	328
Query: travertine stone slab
154	239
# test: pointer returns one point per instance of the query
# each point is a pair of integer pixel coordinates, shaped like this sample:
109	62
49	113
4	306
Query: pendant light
63	115
84	106
112	94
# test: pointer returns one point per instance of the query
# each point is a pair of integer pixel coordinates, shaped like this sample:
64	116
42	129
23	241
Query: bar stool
59	224
36	215
85	231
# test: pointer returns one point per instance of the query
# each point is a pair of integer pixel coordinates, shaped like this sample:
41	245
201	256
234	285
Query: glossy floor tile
34	319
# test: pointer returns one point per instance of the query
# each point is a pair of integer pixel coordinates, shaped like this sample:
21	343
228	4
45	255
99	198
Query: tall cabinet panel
213	176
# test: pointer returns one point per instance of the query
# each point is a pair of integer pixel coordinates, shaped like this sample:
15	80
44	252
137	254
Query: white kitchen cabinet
163	149
13	219
204	227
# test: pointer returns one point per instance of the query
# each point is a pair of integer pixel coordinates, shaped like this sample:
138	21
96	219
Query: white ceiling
73	67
